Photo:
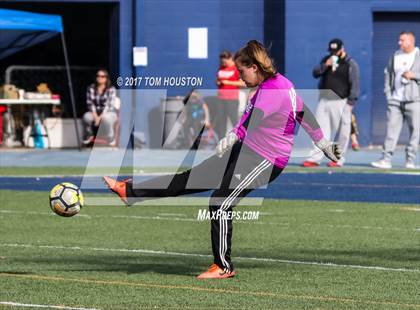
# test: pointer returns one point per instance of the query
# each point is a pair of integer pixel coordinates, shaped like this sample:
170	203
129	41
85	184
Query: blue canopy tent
20	29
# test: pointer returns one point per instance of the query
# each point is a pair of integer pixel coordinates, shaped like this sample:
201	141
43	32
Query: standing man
228	83
402	91
339	74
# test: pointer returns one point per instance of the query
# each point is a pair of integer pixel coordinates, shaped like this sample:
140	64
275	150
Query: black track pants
231	178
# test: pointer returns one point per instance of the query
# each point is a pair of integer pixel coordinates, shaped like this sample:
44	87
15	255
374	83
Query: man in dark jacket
339	85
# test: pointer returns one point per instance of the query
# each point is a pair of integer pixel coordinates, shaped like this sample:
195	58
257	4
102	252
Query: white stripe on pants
227	203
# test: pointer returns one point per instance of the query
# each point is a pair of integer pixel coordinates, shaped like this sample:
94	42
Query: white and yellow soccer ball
66	199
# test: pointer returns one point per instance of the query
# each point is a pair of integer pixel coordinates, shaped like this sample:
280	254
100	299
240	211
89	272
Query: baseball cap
335	45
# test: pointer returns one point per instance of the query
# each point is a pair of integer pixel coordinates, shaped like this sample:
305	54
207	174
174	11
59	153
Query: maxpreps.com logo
204	214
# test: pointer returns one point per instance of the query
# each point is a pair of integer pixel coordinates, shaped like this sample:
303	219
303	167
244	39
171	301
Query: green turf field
148	257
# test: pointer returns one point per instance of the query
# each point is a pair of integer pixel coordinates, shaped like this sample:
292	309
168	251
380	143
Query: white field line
167	201
168	253
17	304
134	217
183	219
349	185
174	214
140	173
354	185
99	176
406	172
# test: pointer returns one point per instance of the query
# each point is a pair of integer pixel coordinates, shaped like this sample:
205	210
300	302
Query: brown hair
108	81
254	53
225	55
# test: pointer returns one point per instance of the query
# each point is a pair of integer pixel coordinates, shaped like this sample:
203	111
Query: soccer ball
66	199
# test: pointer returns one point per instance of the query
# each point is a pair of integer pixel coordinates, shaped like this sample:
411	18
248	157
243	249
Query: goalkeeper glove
331	150
226	144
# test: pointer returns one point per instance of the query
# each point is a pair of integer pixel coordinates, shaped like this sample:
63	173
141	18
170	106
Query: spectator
228	83
3	109
339	73
197	117
402	91
101	109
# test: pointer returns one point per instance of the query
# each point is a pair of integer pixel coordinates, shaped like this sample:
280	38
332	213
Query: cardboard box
61	132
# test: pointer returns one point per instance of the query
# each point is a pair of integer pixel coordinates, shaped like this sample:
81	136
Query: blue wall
299	36
162	26
311	24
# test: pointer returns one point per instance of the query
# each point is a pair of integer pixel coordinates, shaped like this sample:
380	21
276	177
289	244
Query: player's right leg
251	171
203	177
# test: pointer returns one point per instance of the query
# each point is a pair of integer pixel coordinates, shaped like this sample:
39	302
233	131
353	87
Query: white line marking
56	176
136	217
168	201
171	214
260	259
353	185
16	304
159	218
405	172
410	209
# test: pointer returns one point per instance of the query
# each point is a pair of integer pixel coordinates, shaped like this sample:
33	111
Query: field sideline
297	255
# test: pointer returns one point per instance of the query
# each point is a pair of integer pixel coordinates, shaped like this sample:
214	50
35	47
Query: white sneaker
382	164
89	140
410	165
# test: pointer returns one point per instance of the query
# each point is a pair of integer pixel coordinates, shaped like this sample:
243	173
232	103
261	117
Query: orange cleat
334	165
308	164
119	188
215	272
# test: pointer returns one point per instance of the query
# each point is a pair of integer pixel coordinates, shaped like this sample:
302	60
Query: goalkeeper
252	155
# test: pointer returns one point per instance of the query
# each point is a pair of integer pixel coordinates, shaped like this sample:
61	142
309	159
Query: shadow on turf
17	272
349	256
128	264
183	266
191	266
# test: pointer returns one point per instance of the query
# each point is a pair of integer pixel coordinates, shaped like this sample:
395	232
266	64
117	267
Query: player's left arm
269	102
306	118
